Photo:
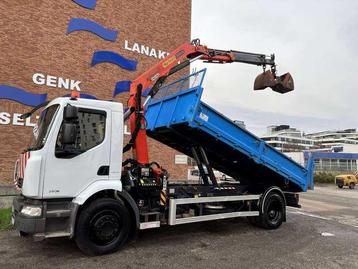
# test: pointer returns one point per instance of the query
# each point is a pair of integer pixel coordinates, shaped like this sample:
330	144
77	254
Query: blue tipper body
177	118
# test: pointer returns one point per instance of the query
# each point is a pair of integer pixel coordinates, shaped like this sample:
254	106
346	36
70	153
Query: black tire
340	186
102	227
273	211
352	185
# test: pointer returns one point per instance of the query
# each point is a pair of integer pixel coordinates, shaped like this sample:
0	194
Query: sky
316	41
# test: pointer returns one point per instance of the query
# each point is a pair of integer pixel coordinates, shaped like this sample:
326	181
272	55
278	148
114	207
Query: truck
76	183
349	180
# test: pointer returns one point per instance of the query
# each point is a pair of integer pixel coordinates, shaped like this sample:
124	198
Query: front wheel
340	186
102	227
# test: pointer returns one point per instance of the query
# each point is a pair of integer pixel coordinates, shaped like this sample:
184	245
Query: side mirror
70	113
69	133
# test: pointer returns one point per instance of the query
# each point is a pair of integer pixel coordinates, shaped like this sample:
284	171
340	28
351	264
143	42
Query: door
69	169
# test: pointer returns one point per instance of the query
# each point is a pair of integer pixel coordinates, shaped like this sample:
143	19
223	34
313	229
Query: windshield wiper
28	114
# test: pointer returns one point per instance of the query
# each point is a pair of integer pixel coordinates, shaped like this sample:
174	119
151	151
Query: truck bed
180	120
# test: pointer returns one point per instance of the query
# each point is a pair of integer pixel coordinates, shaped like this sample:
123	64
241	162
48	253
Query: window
326	164
42	128
91	129
91	126
343	165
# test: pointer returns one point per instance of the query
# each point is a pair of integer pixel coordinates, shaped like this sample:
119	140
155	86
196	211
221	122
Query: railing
193	80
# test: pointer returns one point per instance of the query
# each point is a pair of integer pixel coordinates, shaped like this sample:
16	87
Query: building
332	162
344	140
333	151
328	162
49	47
287	139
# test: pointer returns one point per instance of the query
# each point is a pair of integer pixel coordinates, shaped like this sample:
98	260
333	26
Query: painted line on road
309	215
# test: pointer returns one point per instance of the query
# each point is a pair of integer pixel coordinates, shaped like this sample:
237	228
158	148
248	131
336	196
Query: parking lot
322	234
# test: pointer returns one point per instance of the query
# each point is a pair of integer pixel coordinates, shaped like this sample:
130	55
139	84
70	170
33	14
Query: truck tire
340	186
102	227
273	211
352	185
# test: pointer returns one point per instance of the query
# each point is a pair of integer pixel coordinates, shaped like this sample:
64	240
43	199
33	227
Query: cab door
71	168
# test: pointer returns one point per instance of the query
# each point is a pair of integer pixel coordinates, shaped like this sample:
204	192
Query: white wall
296	156
348	148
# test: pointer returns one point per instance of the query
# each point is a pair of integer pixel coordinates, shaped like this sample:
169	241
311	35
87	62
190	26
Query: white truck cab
59	176
56	171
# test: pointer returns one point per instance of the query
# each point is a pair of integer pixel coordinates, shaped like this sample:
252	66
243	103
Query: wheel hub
272	214
105	228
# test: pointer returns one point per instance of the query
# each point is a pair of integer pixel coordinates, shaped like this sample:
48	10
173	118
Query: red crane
180	58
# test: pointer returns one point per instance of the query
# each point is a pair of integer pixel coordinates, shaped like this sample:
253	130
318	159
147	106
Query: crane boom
180	58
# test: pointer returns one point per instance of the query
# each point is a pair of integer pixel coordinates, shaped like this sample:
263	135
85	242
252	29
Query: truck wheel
352	185
340	186
102	227
273	212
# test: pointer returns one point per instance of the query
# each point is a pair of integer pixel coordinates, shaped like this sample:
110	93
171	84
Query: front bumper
28	224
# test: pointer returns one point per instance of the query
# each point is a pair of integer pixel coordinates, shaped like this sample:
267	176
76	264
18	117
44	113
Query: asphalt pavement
322	234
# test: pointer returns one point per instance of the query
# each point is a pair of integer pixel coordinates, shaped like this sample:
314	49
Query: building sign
14	119
145	50
181	159
56	82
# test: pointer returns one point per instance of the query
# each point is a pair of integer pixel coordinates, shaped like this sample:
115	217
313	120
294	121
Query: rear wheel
102	227
273	211
352	185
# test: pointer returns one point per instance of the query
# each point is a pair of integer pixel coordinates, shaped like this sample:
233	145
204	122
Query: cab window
91	127
43	127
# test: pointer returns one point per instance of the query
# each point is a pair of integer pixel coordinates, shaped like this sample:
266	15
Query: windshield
42	128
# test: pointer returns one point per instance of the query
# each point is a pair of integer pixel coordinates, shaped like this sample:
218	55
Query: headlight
33	211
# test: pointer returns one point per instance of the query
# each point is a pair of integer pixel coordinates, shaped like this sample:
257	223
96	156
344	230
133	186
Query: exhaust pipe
281	84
